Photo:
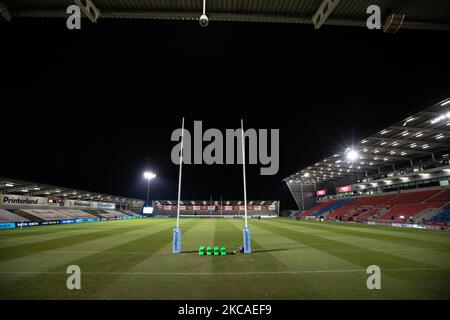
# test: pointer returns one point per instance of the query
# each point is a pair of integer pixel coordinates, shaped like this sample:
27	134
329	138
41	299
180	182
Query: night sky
92	109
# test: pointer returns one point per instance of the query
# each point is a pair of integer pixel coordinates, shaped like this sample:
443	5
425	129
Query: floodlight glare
352	155
149	175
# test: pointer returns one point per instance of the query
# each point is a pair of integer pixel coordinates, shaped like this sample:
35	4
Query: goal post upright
247	245
177	230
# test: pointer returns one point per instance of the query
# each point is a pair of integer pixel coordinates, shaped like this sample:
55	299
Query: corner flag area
132	259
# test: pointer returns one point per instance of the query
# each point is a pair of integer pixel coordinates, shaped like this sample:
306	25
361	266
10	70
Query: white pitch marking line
224	273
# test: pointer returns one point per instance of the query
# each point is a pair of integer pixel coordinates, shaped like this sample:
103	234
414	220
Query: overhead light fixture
425	146
9	185
384	131
408	120
352	155
395	144
445	103
419	134
405	133
439	136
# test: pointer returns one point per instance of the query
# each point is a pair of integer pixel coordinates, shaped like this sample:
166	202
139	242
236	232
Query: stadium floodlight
149	176
352	155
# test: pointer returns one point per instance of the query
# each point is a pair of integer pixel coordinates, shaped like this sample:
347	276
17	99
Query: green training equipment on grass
209	251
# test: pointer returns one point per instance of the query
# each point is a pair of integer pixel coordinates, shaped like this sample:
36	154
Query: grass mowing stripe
384	260
429	245
406	232
64	241
100	262
10	234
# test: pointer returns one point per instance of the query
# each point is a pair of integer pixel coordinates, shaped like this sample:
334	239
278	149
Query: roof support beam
89	9
417	129
431	143
4	12
322	13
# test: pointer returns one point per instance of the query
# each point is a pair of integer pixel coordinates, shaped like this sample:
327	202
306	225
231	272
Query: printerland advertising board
16	200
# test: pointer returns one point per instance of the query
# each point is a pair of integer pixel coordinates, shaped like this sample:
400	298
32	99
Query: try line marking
223	273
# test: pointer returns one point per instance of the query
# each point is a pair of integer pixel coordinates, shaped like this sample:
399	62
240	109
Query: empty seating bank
426	206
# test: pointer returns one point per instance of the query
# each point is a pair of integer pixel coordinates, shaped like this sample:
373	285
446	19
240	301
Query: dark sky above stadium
92	109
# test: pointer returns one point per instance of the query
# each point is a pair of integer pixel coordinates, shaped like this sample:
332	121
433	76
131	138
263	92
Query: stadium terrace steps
27	216
46	214
373	201
443	215
413	197
371	214
317	207
427	214
416	204
331	207
78	214
407	210
442	196
7	216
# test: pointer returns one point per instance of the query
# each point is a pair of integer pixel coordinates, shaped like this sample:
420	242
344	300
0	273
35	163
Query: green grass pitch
290	260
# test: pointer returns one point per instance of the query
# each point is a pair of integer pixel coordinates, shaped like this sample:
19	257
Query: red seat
407	210
413	197
443	196
316	208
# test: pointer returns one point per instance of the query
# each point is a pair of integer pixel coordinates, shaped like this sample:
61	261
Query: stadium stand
413	197
7	216
442	196
406	210
46	215
330	208
407	205
109	214
444	215
373	201
78	214
316	208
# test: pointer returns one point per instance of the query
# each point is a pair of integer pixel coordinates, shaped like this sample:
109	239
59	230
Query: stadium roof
26	188
422	134
419	14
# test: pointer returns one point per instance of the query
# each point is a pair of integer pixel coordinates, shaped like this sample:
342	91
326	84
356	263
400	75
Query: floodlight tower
149	176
